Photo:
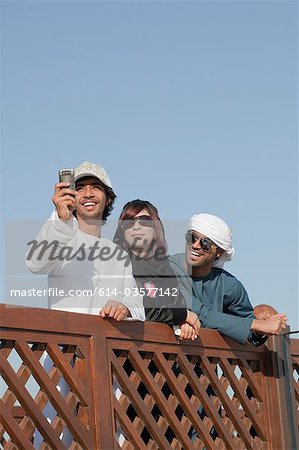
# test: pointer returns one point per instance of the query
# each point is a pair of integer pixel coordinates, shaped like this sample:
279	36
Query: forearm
171	316
44	251
130	296
237	328
174	312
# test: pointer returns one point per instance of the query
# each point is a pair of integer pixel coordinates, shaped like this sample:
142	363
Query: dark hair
110	196
130	210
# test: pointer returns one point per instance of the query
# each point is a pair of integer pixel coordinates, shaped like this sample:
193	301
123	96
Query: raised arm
44	252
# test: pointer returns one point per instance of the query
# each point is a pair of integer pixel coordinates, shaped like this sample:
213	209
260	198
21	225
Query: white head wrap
218	231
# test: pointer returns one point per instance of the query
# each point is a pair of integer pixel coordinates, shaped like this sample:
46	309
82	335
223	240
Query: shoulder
177	258
227	278
235	295
177	262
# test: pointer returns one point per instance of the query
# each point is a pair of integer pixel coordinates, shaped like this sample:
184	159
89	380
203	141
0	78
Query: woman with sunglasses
141	233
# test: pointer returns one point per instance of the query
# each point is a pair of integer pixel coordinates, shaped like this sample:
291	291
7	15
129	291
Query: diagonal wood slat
75	446
184	401
6	347
253	415
9	399
13	429
128	388
207	403
68	373
58	423
127	427
41	400
59	404
232	412
24	374
156	392
29	405
10	446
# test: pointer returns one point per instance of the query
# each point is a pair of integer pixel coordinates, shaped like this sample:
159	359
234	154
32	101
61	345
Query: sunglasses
144	221
205	243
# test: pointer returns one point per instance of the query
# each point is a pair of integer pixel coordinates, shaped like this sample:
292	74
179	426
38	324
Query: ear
220	252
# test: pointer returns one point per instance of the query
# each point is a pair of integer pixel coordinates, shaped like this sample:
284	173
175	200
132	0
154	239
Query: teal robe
219	299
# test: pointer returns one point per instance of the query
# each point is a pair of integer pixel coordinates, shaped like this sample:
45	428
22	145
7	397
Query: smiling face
90	199
140	235
199	261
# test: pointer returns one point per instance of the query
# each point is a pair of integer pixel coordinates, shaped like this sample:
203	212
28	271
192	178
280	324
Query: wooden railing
102	384
294	387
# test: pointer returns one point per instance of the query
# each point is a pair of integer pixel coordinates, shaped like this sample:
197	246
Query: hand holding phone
67	176
64	196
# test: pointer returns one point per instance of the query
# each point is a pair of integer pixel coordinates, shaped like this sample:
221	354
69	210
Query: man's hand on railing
190	328
187	332
272	325
114	310
193	320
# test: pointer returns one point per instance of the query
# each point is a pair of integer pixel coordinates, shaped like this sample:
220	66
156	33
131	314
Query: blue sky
189	104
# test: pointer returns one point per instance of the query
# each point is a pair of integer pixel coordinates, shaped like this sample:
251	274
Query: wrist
258	339
256	326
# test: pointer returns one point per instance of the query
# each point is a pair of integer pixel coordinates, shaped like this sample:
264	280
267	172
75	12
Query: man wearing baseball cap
84	273
219	299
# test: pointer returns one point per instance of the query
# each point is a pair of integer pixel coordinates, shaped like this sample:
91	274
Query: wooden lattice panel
134	386
50	417
181	401
296	383
294	367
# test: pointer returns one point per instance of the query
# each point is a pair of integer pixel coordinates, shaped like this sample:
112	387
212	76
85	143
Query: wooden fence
81	382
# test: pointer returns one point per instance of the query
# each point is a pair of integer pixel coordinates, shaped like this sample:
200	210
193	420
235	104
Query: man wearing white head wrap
218	231
219	299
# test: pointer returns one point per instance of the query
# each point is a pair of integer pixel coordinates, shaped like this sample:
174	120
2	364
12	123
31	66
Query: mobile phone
67	176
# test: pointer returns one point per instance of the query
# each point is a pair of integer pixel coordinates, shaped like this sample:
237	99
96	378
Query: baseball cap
90	169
